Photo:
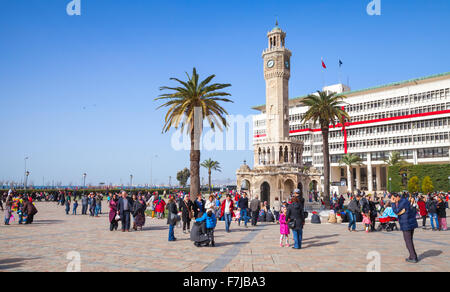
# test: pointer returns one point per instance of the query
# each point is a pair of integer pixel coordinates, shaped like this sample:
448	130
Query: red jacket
222	208
422	208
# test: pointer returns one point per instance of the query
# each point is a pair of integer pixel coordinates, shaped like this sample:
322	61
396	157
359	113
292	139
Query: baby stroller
387	224
198	234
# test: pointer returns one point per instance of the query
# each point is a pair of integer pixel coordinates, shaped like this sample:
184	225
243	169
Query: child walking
75	206
366	221
284	228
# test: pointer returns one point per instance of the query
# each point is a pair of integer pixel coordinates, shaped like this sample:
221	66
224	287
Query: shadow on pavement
6	264
321	244
322	236
47	222
429	254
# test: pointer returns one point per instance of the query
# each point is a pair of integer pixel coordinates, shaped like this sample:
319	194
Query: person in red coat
423	211
226	211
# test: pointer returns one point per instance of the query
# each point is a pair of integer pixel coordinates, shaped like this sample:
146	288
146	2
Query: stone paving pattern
43	246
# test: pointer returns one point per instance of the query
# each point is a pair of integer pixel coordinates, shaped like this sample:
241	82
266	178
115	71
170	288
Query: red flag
323	65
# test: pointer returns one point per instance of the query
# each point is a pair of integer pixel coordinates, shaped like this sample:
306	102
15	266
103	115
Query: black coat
172	207
185	208
441	210
295	212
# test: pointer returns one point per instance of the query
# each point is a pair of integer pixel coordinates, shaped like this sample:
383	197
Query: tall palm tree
211	165
325	108
189	105
350	160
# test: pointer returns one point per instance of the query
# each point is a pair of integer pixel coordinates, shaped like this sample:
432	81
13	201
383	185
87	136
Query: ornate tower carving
277	72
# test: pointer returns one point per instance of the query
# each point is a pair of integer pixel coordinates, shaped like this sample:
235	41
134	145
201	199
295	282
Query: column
349	180
358	178
369	173
415	157
378	173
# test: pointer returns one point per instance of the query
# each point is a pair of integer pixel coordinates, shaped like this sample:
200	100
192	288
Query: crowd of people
131	211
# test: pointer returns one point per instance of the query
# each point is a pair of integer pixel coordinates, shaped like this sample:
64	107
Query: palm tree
350	160
211	165
396	160
189	105
325	108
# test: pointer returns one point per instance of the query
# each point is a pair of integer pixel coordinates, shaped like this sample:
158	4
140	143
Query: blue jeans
227	221
434	216
351	220
298	236
171	232
243	216
97	210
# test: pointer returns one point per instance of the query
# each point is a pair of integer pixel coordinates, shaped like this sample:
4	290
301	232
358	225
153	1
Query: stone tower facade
277	72
278	168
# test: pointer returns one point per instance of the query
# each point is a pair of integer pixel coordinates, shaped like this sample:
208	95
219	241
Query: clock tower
277	71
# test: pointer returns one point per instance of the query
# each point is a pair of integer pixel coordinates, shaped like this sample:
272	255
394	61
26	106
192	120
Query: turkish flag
323	65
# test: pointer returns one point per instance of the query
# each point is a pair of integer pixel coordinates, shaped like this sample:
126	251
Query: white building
411	117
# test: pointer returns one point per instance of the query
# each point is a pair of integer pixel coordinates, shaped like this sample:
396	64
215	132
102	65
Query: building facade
411	117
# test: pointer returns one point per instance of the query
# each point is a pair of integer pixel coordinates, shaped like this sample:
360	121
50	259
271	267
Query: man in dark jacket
295	213
124	207
243	208
255	206
352	209
407	219
431	206
84	205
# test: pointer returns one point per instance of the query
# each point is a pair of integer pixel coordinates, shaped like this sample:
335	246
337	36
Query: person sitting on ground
211	222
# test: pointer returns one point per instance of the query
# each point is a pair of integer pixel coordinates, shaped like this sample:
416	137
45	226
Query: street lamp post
84	182
25	169
390	184
131	181
27	173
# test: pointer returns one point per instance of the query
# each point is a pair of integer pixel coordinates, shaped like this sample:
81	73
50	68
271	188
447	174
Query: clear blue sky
76	92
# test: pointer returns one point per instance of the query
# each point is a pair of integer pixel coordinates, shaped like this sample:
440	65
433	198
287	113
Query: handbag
291	224
117	218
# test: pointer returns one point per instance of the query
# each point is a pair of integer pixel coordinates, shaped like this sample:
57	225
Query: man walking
124	207
84	205
243	209
255	206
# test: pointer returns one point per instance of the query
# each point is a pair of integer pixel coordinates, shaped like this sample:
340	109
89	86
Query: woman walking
172	218
227	212
442	215
139	213
407	219
187	213
8	208
296	219
423	211
114	224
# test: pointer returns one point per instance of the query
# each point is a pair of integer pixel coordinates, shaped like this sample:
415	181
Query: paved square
44	245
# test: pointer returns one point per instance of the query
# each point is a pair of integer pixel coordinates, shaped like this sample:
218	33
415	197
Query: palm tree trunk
349	179
209	179
326	165
195	166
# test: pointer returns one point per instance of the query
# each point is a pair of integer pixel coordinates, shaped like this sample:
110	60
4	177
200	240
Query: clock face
270	63
286	64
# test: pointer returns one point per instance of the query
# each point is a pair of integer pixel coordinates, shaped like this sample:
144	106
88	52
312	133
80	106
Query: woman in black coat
295	213
187	209
173	212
